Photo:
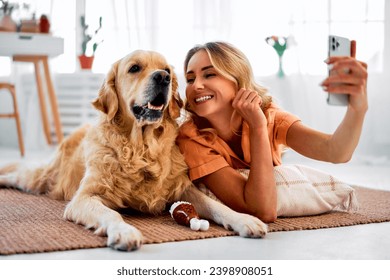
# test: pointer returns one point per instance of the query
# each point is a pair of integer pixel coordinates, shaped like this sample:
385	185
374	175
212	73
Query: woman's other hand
247	104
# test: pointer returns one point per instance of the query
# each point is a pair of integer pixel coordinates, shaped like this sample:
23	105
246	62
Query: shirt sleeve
199	154
279	122
283	121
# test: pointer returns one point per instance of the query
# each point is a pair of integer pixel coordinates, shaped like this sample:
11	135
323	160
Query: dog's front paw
124	237
247	226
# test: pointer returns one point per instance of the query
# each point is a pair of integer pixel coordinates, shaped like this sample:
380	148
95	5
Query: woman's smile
203	99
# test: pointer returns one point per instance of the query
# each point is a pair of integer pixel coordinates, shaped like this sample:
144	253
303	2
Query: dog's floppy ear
176	103
107	101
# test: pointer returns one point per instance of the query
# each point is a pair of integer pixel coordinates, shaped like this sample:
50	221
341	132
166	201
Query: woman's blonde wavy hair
232	64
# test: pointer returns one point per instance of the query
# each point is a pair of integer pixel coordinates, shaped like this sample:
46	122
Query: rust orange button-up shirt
205	156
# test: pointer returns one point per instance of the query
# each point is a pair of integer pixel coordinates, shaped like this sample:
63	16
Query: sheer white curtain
173	26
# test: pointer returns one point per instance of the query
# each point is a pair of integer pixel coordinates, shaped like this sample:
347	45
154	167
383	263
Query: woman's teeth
203	98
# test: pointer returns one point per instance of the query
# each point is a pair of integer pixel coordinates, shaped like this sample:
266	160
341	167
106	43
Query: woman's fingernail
326	60
330	67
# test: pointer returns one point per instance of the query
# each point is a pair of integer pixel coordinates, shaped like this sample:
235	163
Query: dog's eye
135	68
168	70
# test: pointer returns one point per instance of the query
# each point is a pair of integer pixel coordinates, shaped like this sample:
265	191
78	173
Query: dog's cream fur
124	161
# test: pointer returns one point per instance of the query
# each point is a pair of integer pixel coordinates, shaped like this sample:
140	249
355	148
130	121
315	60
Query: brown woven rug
32	223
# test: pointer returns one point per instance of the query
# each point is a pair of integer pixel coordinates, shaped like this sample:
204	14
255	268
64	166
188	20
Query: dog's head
141	86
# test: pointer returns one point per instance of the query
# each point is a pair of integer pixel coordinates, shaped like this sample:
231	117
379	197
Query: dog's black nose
162	78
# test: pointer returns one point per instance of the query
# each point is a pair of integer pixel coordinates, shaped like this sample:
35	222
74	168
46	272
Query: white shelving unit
75	93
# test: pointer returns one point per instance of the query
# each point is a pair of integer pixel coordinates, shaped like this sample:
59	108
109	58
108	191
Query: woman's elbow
339	154
266	212
342	158
267	216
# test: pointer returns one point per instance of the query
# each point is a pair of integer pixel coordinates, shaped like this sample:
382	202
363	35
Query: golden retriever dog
128	159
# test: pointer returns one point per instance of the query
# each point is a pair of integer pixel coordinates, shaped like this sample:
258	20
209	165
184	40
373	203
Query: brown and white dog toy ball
184	213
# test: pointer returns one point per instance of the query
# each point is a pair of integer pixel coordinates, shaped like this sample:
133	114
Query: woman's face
208	92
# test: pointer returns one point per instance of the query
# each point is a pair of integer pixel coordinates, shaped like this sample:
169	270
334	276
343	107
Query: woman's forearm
260	191
345	139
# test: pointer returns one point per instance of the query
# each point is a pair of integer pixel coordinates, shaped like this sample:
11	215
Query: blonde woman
234	124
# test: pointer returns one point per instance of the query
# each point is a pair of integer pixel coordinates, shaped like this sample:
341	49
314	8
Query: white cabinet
12	43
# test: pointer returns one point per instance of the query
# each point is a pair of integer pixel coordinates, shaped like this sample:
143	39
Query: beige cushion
303	191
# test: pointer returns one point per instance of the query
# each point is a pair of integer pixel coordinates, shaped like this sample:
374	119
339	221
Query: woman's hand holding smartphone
338	46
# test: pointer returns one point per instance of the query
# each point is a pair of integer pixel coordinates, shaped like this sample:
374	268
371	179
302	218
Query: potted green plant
89	44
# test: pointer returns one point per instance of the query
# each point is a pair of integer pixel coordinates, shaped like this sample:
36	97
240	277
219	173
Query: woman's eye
135	68
190	80
210	75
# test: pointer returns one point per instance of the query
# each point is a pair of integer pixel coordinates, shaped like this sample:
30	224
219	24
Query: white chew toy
197	224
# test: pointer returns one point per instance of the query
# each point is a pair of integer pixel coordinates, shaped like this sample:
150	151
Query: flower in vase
279	44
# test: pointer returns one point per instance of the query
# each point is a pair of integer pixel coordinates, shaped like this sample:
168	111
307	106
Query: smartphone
338	46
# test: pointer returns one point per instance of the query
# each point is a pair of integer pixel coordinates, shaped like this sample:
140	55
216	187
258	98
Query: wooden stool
15	114
37	60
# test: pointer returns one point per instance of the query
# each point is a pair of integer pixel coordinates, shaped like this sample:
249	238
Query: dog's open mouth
152	110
